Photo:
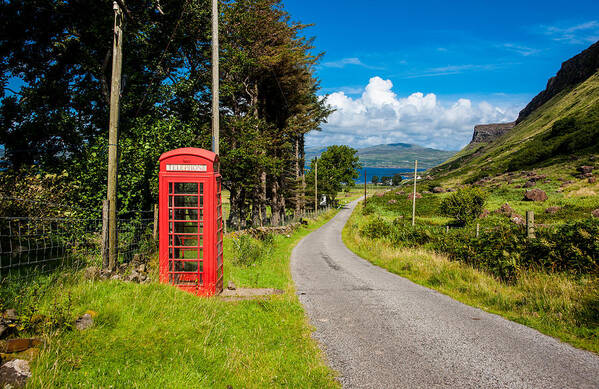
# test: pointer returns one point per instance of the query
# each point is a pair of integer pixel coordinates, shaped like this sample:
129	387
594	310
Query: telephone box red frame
191	226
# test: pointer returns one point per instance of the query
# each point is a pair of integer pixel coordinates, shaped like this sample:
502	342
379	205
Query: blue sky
427	72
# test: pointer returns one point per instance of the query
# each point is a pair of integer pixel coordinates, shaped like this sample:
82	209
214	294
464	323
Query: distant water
382	172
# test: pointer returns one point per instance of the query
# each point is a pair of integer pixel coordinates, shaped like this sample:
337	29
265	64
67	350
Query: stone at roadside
231	285
484	214
505	209
595	213
14	374
10	314
518	219
18	345
392	201
592	180
566	183
134	276
438	189
84	322
553	210
379	194
529	184
411	196
585	169
426	192
3	329
586	175
116	277
92	273
451	189
535	195
142	268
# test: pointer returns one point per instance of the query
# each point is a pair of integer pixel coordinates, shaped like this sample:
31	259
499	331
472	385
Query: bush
247	250
376	229
465	205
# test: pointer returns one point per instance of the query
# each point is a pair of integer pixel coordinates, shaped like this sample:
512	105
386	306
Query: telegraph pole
215	79
113	134
365	187
414	199
316	185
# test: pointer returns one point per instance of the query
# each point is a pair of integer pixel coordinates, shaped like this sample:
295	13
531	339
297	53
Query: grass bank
153	335
557	304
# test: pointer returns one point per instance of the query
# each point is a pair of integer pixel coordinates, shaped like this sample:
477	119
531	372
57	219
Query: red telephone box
191	226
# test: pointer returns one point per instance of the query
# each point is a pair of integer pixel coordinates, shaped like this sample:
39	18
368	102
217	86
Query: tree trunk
275	208
262	198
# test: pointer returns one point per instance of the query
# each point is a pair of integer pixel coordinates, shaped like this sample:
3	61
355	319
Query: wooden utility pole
414	196
113	134
316	185
215	79
530	225
364	187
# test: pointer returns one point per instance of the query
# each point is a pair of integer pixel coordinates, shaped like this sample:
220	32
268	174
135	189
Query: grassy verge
153	335
558	305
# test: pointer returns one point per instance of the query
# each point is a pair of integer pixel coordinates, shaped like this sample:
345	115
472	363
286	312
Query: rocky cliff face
574	71
486	133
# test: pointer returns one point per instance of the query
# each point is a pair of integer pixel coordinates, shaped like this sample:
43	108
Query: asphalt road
379	330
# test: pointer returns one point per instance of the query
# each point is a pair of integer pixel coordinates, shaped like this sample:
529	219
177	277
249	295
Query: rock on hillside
574	71
486	133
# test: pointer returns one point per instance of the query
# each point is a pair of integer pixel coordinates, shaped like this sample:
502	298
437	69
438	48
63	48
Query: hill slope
563	129
397	155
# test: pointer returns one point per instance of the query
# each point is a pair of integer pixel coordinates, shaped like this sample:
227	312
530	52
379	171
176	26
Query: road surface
379	330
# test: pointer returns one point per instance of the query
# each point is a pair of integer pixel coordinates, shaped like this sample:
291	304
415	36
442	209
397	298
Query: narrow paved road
379	330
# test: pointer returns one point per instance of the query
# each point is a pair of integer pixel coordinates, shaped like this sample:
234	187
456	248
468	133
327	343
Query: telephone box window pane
201	188
186	201
191	253
184	241
170	187
201	201
185	227
186	188
184	266
186	214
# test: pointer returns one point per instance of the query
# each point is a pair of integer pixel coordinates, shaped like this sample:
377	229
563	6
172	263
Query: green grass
559	305
155	335
580	103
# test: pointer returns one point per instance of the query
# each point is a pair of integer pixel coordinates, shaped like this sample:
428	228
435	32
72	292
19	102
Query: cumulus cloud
379	116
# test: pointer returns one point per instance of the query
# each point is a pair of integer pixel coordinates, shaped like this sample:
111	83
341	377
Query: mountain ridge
393	155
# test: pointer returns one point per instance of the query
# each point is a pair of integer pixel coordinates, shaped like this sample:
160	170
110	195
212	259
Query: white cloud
587	32
379	116
520	49
339	64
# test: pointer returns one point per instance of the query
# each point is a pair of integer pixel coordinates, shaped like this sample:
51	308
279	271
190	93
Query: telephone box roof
209	155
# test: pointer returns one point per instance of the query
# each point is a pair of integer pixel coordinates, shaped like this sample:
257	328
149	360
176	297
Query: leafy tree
396	180
375	179
386	180
465	205
337	169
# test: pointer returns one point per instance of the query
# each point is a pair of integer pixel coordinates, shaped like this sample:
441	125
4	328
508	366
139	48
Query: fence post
155	232
446	229
530	224
105	213
477	229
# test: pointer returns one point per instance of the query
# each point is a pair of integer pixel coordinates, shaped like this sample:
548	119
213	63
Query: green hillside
396	155
556	136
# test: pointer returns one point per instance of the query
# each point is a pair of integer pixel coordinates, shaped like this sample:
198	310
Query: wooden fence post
155	232
477	230
447	229
530	224
105	213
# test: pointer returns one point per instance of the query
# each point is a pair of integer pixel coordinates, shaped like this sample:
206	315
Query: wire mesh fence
42	235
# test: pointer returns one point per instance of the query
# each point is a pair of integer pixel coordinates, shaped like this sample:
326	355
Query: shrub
376	229
465	205
247	250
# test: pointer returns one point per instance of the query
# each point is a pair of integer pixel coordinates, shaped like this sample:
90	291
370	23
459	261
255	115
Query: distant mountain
558	127
396	155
